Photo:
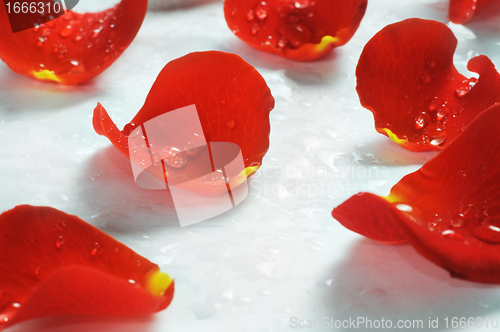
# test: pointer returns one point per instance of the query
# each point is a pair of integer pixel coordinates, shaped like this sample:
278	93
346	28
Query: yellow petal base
157	283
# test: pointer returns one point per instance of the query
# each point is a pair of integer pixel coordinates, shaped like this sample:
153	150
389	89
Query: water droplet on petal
66	32
250	15
282	43
260	10
463	90
431	64
173	157
296	34
231	124
462	175
421	120
449	234
78	38
37	271
487	233
458	222
59	243
255	30
95	249
439	137
441	113
425	79
404	207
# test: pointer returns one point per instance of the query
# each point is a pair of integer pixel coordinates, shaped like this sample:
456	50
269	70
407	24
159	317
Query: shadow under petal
395	283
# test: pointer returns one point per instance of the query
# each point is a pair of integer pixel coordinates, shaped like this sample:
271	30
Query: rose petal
302	30
462	11
73	48
231	97
406	78
450	208
52	263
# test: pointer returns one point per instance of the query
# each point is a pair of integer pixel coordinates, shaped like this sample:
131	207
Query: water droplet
96	33
282	43
462	175
116	250
458	222
421	120
78	38
250	15
296	34
16	305
425	79
66	32
449	234
431	64
487	233
138	263
59	243
439	137
41	41
404	207
95	249
74	63
432	105
37	270
234	11
260	10
255	30
441	113
463	90
301	4
131	281
231	124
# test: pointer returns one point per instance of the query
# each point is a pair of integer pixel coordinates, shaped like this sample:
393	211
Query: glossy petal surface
73	48
406	78
299	30
52	263
231	97
462	11
450	208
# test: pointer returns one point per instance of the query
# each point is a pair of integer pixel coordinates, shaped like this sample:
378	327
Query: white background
279	254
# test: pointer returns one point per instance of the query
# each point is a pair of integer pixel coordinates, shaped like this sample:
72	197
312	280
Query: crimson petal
450	208
406	78
52	263
73	48
299	30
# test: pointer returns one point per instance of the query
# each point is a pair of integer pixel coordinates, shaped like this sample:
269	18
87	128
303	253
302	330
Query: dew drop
250	15
96	33
463	90
16	305
260	10
59	243
231	124
254	30
404	207
74	63
449	234
95	249
234	11
458	222
421	120
37	270
296	34
425	79
432	105
282	43
462	175
173	157
441	113
132	281
41	41
66	32
439	138
431	64
487	233
78	38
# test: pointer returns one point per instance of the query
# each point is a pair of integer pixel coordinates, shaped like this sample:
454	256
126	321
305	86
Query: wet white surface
278	255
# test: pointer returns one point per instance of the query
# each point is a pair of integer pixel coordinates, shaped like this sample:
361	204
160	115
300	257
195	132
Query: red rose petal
406	78
462	11
73	48
362	214
451	207
52	263
299	30
232	99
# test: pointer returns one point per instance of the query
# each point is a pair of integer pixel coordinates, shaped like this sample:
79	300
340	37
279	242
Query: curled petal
406	78
299	30
450	208
73	48
52	263
232	101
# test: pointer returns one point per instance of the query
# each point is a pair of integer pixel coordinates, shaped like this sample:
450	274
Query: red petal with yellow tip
406	78
52	263
450	208
299	30
232	100
73	48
